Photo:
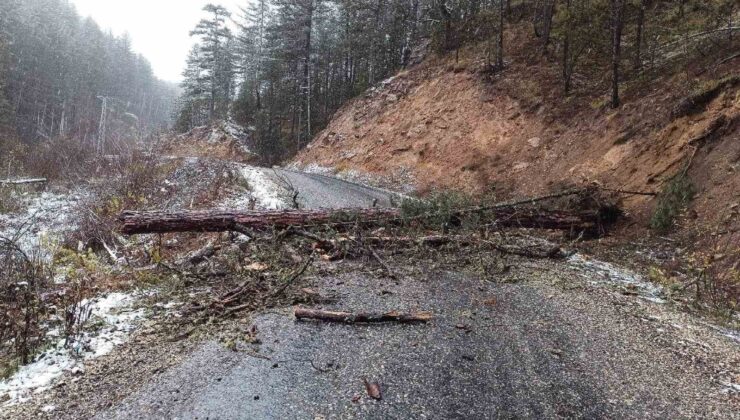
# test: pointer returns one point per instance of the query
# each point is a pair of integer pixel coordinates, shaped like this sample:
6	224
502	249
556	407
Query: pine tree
251	45
215	59
5	108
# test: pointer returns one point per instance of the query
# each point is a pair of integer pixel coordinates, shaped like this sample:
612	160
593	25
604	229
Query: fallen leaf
373	390
464	327
490	302
556	352
257	267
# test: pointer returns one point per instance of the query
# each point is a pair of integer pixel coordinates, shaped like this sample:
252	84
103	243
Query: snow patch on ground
114	318
231	131
47	217
733	335
402	182
264	191
601	272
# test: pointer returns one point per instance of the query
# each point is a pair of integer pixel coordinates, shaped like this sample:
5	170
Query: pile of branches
284	245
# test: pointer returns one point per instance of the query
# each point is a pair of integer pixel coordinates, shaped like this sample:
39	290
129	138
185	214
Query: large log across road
588	222
227	220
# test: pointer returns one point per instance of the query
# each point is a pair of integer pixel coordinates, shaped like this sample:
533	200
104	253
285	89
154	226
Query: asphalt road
320	191
540	341
494	350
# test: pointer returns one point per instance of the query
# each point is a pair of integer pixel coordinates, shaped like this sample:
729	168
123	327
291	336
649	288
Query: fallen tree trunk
23	181
350	318
241	221
591	222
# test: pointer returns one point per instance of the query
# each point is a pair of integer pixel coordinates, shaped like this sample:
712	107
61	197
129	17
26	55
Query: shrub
438	209
23	279
9	202
675	197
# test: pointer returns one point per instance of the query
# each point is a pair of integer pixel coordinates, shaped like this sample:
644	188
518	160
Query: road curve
276	187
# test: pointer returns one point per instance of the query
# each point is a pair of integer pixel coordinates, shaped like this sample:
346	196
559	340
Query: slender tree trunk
307	66
729	23
639	35
500	52
566	50
617	12
410	33
448	23
548	12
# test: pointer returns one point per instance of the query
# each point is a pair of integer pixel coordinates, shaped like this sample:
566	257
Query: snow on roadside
401	184
264	190
46	218
604	272
114	317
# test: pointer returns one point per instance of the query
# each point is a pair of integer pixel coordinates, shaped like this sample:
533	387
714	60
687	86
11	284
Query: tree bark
548	13
500	52
617	12
447	16
221	221
567	73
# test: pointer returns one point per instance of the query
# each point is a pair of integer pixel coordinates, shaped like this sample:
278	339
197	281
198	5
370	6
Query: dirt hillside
450	125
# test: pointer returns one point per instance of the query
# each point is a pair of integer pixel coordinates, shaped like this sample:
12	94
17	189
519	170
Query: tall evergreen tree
215	59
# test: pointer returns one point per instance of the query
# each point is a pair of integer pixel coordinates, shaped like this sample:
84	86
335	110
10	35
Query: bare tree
500	50
639	34
617	21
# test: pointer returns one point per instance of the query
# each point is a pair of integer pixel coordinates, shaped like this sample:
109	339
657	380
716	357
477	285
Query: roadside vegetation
672	202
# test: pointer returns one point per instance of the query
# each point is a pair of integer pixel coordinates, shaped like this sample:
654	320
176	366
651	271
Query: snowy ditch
45	220
600	272
265	192
38	230
112	318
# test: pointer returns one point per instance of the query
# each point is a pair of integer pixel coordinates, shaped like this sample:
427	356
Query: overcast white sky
159	29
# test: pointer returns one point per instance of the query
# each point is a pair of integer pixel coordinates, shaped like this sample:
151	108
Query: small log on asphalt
362	317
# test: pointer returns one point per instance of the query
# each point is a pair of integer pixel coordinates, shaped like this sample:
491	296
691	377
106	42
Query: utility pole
101	127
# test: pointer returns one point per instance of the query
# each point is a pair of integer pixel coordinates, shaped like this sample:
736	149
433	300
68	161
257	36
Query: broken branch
362	317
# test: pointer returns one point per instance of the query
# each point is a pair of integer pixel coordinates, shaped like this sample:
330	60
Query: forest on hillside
283	67
62	76
291	64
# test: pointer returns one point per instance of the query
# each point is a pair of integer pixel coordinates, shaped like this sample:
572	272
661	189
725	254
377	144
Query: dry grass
23	306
